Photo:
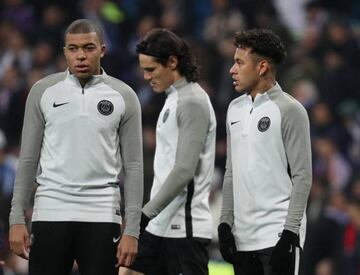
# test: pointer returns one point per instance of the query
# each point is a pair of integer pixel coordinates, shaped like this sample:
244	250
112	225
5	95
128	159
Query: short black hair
263	42
161	43
84	26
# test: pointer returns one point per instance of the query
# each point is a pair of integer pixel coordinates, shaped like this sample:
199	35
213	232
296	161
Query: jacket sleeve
130	133
227	208
296	137
193	120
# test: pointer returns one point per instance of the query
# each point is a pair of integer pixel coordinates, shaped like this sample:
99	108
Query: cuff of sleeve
16	219
132	233
149	210
227	218
132	221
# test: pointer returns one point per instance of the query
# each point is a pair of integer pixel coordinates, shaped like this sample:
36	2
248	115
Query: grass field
220	268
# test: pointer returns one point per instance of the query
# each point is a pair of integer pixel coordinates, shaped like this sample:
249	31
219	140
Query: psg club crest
166	115
264	124
105	107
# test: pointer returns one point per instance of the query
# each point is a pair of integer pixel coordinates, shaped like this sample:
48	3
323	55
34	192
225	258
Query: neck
177	76
263	85
83	81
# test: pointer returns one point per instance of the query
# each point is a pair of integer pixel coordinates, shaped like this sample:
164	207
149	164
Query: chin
83	75
239	90
158	91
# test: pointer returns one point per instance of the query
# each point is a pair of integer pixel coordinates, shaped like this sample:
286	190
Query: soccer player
176	238
81	127
268	170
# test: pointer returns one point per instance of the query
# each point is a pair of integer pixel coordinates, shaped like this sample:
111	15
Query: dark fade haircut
161	43
262	42
84	26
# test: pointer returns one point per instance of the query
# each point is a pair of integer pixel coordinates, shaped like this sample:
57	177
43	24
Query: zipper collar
276	89
177	85
94	80
263	97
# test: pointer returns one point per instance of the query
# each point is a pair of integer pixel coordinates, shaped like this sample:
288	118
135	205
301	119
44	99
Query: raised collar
95	79
274	89
263	97
178	84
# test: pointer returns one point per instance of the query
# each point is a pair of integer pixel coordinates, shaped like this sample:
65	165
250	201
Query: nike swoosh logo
115	240
57	105
234	122
290	249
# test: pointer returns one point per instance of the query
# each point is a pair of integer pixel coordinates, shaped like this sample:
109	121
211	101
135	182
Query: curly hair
161	43
262	42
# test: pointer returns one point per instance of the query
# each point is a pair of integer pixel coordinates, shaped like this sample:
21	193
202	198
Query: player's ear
263	67
103	50
173	62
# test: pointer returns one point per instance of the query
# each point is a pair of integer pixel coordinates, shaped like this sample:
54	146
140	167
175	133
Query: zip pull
251	110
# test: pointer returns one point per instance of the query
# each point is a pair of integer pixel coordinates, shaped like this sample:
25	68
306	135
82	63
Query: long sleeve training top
183	164
268	171
75	141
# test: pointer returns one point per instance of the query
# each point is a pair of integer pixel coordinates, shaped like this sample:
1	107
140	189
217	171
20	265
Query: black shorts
258	262
55	245
171	256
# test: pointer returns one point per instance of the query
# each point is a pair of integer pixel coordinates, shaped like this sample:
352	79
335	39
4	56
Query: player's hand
144	222
126	251
19	240
283	256
226	242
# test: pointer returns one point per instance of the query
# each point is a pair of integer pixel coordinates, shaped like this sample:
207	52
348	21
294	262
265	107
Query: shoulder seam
116	81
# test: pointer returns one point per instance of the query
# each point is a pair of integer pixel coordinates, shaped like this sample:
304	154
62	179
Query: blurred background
322	71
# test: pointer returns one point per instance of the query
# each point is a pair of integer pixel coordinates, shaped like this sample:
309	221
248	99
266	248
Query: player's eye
72	49
89	48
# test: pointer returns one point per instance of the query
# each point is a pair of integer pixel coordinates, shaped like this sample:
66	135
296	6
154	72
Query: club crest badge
105	107
166	115
264	124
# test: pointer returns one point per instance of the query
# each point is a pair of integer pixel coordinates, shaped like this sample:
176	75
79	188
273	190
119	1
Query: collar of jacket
178	84
95	79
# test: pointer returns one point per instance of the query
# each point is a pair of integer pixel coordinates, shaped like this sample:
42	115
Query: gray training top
80	138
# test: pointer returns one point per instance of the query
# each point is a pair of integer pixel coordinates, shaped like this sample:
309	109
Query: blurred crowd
322	69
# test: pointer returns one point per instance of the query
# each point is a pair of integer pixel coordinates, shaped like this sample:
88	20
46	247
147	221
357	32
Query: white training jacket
183	164
81	138
268	170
